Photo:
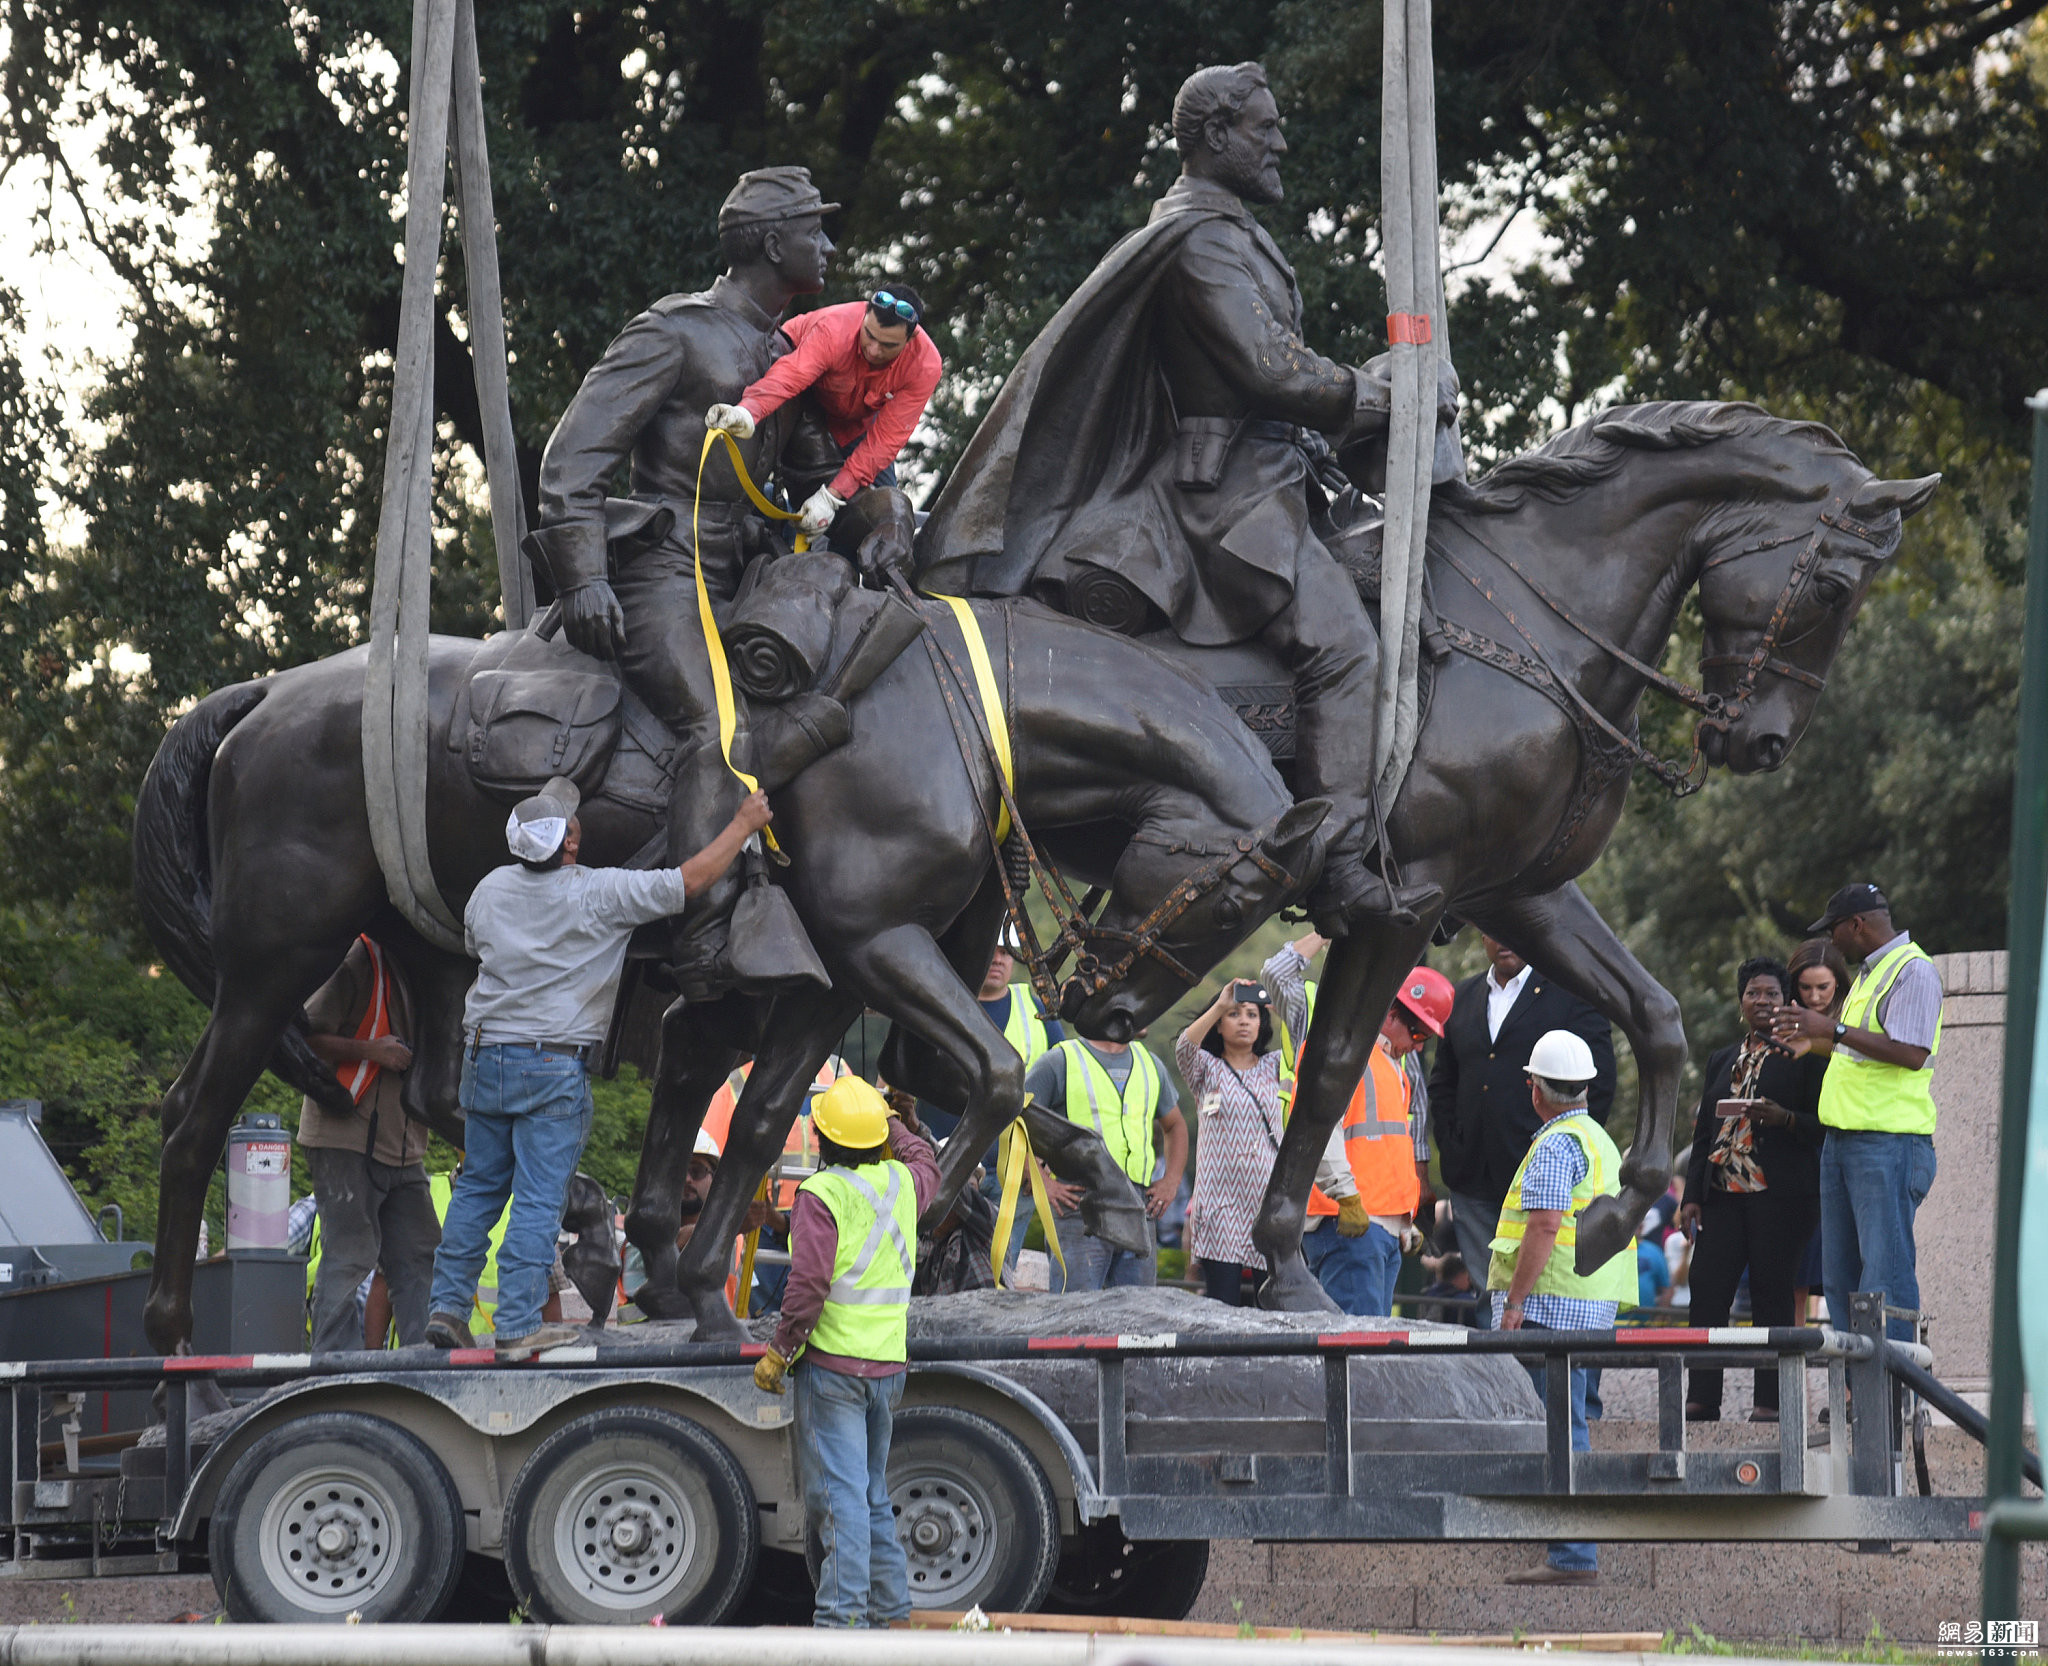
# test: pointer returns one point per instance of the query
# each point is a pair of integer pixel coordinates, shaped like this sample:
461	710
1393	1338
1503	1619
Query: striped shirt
1556	1166
1238	1135
1909	1011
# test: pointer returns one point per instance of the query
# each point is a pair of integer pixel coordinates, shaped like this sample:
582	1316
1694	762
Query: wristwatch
1841	1030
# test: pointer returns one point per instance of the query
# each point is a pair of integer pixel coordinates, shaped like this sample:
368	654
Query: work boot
512	1349
1351	892
446	1330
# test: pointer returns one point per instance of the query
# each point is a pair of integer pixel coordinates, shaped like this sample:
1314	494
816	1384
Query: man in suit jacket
1479	1093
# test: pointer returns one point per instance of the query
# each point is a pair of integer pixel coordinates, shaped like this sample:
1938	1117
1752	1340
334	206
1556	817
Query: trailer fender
1090	1504
493	1403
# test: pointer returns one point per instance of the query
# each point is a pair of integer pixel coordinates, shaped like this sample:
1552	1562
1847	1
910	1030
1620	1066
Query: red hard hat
1427	993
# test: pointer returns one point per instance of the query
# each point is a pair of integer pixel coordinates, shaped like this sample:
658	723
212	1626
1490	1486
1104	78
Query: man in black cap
1876	1104
644	401
549	938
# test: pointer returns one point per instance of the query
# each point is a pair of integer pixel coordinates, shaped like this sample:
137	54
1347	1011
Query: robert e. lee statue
623	568
1161	437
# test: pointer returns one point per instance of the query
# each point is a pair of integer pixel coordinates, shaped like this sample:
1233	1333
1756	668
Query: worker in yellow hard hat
845	1321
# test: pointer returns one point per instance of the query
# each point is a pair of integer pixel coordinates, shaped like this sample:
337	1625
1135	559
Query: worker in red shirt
872	369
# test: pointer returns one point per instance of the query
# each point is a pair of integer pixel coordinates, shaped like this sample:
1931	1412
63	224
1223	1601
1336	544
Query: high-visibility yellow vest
1614	1280
1290	1047
1862	1094
867	1310
1126	1129
485	1302
1024	1029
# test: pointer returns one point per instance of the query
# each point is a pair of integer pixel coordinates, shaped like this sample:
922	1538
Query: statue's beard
1248	170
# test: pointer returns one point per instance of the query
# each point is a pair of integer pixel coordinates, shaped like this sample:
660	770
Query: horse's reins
1718	712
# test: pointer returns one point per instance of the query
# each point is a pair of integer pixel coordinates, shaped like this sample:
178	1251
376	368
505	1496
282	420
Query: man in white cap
1534	1274
550	941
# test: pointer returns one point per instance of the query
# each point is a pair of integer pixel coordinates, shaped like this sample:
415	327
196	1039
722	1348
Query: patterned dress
1239	1136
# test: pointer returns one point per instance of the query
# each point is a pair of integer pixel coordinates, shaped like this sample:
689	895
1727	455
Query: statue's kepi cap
538	825
1847	903
770	194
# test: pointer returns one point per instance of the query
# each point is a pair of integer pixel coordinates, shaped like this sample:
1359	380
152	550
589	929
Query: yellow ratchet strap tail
714	647
991	702
1018	1161
752	1242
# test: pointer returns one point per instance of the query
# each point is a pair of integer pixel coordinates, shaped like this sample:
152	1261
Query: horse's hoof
662	1304
1294	1289
1605	1229
1119	1224
717	1323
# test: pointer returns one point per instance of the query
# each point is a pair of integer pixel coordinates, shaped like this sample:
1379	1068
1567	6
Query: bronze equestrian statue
1154	462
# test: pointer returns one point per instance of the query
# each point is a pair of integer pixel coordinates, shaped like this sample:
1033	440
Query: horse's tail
174	864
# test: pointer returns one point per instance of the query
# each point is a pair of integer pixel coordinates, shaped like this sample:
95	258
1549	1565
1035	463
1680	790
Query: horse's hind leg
249	1014
920	989
803	1029
1561	932
695	1061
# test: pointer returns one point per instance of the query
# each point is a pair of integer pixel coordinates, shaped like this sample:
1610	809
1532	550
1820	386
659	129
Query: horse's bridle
1719	712
1091	977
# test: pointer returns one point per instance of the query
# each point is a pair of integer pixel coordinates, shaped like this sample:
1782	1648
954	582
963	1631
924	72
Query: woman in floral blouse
1752	1189
1232	1069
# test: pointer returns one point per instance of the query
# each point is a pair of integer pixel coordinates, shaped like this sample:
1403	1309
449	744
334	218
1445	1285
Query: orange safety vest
376	1023
1381	1153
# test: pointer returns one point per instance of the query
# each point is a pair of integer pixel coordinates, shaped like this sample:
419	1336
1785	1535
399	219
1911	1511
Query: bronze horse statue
1557	580
254	870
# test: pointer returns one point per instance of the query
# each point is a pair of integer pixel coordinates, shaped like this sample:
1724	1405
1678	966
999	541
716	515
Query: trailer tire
332	1514
975	1514
629	1514
1107	1574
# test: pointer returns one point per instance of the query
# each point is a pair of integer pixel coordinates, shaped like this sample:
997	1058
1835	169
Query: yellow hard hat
851	1113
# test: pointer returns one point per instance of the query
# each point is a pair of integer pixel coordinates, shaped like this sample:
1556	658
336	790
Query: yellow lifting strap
751	1243
991	702
1017	1161
721	674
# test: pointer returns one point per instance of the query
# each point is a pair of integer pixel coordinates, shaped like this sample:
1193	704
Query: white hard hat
1560	1056
707	1144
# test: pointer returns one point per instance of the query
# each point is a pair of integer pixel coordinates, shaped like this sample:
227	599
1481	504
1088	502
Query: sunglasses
883	301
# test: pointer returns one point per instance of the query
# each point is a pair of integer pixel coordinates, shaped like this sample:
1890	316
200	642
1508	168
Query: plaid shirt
1556	1166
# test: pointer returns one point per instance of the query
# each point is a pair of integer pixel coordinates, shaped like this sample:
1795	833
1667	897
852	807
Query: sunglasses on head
883	301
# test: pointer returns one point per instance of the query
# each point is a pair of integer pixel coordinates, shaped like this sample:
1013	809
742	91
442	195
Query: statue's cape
1082	419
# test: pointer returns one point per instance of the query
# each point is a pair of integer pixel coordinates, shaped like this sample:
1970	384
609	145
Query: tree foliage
1832	207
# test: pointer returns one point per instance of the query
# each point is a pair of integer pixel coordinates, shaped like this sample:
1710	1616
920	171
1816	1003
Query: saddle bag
537	709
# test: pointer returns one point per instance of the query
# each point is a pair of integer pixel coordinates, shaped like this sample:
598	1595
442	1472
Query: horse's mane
1595	449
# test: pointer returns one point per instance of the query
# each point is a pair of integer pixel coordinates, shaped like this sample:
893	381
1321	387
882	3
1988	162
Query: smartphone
1734	1107
1250	989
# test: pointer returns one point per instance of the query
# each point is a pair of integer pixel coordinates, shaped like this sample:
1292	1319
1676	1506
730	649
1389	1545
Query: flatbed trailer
615	1483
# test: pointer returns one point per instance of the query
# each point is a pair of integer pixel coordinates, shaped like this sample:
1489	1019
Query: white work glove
818	511
734	419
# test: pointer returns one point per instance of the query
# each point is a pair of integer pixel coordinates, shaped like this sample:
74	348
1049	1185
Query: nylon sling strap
1016	1162
714	645
991	702
845	1287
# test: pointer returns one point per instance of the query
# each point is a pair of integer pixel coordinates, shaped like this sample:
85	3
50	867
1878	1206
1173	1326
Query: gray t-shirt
1046	1081
551	946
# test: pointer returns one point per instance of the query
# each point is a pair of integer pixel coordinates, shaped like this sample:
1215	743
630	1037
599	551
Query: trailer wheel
332	1514
1108	1574
974	1513
627	1514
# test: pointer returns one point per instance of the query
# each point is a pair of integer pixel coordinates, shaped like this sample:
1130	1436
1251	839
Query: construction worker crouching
845	1322
1534	1276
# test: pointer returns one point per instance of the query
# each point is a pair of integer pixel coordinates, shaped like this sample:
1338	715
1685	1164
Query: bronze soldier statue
645	400
1154	453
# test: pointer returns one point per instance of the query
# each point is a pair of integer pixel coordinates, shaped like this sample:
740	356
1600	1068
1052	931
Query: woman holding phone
1820	982
1752	1187
1232	1069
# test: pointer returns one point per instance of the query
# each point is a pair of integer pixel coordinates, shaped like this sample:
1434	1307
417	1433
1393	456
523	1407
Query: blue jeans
1573	1554
1094	1265
842	1426
1871	1187
884	476
526	1116
1358	1273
